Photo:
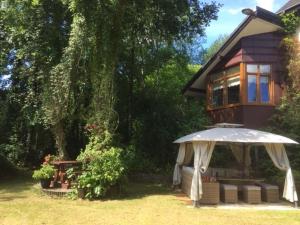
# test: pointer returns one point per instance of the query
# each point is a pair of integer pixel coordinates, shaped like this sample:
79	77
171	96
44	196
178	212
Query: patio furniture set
230	190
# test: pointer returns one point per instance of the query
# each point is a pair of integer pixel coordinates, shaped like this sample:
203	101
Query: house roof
290	5
262	21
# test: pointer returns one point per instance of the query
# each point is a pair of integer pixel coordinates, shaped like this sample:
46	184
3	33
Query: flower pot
45	183
81	193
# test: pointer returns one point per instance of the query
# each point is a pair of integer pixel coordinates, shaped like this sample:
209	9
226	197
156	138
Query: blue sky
230	15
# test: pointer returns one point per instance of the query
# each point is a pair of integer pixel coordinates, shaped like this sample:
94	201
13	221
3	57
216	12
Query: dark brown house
244	80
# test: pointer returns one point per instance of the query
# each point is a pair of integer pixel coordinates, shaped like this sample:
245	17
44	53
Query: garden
91	102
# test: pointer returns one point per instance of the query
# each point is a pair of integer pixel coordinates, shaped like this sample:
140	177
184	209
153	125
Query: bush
46	172
102	170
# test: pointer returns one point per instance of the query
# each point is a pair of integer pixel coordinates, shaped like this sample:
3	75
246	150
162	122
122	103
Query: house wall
252	116
262	48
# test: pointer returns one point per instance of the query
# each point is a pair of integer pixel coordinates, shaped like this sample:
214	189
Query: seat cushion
229	187
251	188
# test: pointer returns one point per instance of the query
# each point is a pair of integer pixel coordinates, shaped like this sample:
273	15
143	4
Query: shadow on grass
14	188
137	190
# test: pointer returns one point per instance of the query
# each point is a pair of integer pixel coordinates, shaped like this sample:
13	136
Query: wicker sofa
211	190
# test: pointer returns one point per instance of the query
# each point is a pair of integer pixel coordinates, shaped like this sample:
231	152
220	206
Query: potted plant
84	183
44	174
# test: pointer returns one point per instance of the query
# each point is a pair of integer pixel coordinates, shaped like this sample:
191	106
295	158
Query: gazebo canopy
203	143
236	135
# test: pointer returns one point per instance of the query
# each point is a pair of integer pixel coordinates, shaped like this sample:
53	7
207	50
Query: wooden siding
252	116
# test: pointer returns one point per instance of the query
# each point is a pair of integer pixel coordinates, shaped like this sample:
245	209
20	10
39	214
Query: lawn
22	203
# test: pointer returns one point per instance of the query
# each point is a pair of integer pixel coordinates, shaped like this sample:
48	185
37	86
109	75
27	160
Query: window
233	90
217	95
258	83
225	87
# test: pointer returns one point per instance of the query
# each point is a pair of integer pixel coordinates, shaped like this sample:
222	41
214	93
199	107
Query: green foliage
287	118
116	64
14	151
45	172
291	23
161	113
103	169
215	46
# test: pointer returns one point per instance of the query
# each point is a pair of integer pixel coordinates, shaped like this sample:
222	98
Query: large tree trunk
60	140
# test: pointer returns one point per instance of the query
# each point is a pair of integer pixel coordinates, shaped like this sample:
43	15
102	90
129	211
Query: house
244	81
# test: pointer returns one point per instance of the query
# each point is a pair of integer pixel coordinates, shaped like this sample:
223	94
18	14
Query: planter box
45	183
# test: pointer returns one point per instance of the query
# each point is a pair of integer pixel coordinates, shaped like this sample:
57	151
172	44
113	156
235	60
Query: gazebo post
244	160
296	205
256	159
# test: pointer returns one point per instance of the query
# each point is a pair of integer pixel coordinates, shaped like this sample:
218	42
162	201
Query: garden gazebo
239	140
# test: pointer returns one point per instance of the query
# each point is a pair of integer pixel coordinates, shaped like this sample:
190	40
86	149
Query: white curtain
279	157
237	150
179	162
202	155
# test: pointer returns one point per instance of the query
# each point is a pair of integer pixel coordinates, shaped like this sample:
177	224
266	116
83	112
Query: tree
215	46
33	35
66	60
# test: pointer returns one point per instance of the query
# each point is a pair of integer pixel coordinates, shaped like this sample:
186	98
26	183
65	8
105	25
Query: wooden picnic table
61	167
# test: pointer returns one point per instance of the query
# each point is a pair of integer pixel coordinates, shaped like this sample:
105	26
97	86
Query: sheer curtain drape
179	162
202	155
279	157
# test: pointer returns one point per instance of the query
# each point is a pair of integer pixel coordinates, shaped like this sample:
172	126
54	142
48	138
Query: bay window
240	84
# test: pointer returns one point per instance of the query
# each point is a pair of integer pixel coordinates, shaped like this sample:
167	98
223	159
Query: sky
230	16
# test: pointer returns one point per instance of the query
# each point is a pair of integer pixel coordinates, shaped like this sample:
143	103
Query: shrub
46	172
102	170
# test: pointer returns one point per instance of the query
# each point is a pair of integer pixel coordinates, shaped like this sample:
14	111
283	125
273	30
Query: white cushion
251	188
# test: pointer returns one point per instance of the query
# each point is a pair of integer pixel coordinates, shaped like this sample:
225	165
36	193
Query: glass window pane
264	89
233	90
251	88
217	95
252	68
265	69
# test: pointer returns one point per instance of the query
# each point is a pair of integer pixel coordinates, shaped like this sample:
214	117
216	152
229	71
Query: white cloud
234	11
266	4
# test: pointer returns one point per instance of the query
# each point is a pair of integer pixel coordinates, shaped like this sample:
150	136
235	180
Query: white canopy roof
241	135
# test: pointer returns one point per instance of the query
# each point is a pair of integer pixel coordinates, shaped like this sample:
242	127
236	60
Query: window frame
258	75
224	78
243	75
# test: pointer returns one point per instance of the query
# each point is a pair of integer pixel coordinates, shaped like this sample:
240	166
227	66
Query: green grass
22	203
